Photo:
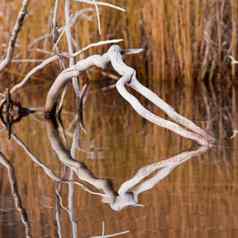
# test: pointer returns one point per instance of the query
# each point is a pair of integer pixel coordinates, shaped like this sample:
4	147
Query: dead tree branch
17	28
53	58
128	78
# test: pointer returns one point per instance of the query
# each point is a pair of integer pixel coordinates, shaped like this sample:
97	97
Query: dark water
196	198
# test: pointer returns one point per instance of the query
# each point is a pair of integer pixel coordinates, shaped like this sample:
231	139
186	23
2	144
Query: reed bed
183	39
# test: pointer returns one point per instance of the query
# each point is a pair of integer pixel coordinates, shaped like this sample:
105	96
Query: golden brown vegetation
183	39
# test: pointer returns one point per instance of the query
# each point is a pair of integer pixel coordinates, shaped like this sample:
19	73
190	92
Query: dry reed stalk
234	9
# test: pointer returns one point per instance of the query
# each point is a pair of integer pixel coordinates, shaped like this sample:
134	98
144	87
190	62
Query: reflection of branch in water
47	170
57	215
15	194
110	235
70	182
11	112
129	191
82	172
71	188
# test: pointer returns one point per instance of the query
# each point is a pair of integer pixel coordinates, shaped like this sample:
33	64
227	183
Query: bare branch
54	58
98	17
128	77
18	25
54	21
99	43
33	71
67	12
104	4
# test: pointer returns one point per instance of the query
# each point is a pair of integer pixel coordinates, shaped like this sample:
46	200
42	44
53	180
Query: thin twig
112	235
104	4
27	61
99	43
69	38
98	17
54	21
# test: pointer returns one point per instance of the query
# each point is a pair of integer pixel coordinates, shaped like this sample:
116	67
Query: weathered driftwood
11	45
128	78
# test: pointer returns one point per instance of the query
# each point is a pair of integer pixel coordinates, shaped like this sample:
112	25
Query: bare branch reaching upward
69	38
98	17
17	28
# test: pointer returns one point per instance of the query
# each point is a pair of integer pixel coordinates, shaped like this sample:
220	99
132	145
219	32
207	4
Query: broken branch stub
181	125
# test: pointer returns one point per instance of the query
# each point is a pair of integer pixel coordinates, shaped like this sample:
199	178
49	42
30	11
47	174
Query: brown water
197	199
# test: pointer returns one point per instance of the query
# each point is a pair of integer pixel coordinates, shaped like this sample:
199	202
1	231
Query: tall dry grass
191	38
183	39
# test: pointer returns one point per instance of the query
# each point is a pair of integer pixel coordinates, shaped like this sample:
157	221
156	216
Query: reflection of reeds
183	38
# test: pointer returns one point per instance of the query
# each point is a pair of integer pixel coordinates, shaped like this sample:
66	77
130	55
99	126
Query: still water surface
195	197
